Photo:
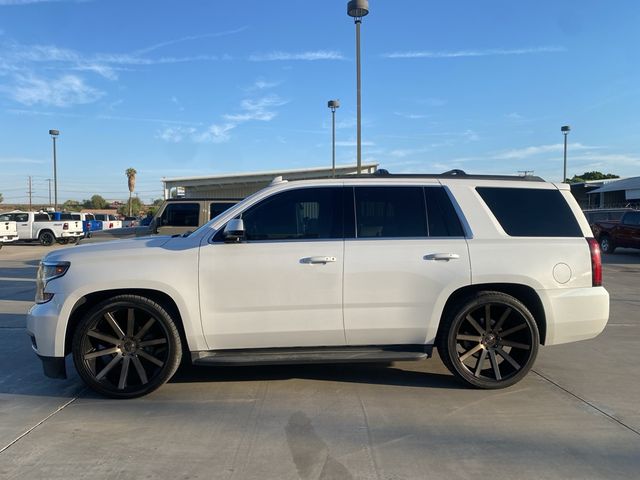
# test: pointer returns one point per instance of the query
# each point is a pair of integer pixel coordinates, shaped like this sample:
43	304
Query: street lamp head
358	9
565	129
333	104
54	133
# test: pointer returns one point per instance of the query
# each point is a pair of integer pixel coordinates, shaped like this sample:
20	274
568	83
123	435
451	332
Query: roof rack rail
454	173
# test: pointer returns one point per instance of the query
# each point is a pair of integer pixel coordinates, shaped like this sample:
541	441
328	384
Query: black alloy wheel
46	239
490	341
126	347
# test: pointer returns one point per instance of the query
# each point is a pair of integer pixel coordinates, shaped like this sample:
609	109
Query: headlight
47	272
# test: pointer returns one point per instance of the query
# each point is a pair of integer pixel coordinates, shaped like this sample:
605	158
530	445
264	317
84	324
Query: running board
289	356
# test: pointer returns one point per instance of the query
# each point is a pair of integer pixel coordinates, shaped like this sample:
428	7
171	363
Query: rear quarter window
531	212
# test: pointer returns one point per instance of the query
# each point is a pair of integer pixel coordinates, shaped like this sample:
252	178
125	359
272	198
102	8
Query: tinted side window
216	209
181	215
442	216
21	217
307	213
66	216
5	218
390	212
40	217
529	212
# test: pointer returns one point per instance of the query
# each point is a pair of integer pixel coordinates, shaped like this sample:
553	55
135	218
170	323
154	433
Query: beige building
241	185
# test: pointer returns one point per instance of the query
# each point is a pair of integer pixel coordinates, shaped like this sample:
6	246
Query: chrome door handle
442	256
319	259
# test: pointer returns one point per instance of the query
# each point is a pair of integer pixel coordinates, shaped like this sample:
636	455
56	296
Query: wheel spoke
487	317
503	317
508	358
150	358
130	322
145	328
494	365
471	338
123	373
103	337
470	352
101	353
140	369
515	329
523	346
483	355
157	341
112	321
109	366
475	324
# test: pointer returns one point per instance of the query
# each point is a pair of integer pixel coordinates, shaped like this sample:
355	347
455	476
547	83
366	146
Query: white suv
357	269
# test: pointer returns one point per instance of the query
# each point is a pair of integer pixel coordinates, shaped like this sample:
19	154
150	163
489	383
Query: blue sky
179	88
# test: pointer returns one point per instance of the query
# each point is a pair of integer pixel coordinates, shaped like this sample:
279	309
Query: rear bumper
8	238
71	234
574	314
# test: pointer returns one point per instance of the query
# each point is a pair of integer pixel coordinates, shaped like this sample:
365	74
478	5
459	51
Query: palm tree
131	177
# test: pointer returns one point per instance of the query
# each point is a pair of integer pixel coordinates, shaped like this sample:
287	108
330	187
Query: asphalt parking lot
577	415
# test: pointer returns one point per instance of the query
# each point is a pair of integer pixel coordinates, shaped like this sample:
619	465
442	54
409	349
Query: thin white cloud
257	109
20	160
474	53
527	152
353	143
63	91
411	116
291	56
189	38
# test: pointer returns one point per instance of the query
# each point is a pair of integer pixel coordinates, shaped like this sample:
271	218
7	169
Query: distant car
618	233
129	222
605	214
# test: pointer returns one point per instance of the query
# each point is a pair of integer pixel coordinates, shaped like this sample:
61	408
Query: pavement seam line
27	432
578	397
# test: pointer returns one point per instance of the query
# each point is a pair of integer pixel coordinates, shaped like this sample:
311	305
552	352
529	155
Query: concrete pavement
575	416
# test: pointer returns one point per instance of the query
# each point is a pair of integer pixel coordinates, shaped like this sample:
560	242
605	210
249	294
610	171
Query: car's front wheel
489	340
126	346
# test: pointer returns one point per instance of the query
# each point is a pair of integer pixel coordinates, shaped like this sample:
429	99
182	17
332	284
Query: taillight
596	262
65	226
111	225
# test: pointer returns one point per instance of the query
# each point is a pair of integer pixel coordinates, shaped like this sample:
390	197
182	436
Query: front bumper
46	339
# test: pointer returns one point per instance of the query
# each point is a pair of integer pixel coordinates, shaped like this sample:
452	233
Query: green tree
594	175
131	181
134	206
96	202
71	206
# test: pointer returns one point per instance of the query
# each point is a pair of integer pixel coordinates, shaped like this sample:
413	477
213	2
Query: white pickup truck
8	230
38	226
108	221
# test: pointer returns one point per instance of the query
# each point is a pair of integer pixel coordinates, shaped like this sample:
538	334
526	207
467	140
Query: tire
63	241
46	238
140	345
606	244
494	356
73	240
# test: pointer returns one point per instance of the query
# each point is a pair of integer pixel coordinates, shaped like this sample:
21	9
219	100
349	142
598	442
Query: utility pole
333	104
30	192
49	182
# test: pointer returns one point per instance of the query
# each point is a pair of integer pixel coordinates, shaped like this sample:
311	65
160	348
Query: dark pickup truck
624	233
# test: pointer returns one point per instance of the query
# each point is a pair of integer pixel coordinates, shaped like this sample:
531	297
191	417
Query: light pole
54	134
333	105
565	129
358	9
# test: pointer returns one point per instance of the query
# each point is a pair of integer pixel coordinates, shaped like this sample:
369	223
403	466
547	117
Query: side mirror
234	231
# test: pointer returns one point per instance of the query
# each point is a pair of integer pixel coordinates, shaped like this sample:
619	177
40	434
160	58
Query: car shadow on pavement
378	374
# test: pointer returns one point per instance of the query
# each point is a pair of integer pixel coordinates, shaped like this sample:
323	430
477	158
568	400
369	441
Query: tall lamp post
333	105
54	134
358	9
565	129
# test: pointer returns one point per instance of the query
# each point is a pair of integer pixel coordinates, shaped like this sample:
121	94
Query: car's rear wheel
46	238
606	245
489	340
126	347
